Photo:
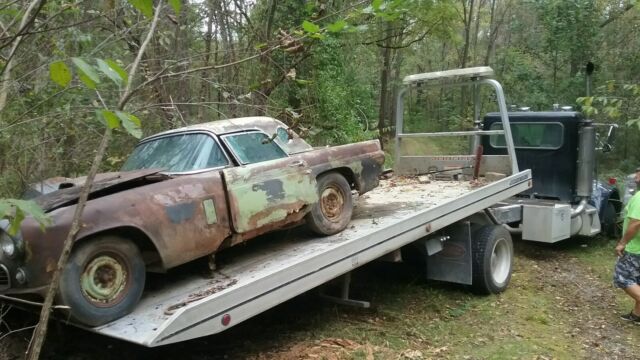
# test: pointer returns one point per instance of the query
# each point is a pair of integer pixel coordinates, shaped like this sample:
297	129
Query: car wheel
492	259
103	280
332	213
610	225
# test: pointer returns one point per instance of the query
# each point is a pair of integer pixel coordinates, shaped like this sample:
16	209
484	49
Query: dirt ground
560	304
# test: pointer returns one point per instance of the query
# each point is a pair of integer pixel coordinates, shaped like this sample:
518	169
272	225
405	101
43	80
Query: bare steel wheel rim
104	280
500	261
332	203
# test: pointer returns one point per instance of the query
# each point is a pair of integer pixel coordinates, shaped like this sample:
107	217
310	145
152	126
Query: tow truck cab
559	147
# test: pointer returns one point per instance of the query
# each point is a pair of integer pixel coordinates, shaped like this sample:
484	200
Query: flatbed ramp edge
385	219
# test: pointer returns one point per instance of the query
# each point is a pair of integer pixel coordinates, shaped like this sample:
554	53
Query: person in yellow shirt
626	274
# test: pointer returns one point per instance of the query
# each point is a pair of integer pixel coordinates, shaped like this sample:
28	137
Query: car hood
103	184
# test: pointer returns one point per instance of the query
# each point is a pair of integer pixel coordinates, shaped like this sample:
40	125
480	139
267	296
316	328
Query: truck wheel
103	280
492	259
610	225
332	213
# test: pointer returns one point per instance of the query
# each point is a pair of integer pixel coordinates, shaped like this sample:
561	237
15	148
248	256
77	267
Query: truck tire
610	225
332	213
492	259
103	280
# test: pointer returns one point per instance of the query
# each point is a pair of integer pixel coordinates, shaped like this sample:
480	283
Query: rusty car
182	195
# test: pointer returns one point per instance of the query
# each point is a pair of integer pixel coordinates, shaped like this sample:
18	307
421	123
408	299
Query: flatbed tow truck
443	221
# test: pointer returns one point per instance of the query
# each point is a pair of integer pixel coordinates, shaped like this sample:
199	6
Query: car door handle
298	163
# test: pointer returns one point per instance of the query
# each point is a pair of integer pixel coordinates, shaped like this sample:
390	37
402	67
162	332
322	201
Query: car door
269	188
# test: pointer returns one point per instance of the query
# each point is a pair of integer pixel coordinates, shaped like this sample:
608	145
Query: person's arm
632	230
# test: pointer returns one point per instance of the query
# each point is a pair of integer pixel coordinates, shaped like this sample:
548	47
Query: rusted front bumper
12	258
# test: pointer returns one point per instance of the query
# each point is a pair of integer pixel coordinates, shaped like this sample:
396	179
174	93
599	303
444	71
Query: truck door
269	187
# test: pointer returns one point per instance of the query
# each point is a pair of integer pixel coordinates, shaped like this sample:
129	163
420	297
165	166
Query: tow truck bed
398	212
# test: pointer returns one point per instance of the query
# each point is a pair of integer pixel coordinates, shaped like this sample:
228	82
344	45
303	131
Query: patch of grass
597	255
447	321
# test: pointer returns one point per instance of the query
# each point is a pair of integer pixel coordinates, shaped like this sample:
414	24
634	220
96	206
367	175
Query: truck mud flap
453	263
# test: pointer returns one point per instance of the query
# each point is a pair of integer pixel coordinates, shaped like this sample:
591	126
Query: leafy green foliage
337	26
124	77
340	115
16	210
131	123
176	5
110	119
144	6
87	73
310	27
115	74
60	73
613	101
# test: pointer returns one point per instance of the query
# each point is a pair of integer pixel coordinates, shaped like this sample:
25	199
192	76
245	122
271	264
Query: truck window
545	136
253	147
177	153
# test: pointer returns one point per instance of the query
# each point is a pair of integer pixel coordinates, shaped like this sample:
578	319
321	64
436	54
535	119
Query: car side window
253	147
177	153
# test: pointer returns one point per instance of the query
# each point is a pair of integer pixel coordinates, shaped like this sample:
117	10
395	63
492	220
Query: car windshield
177	153
253	147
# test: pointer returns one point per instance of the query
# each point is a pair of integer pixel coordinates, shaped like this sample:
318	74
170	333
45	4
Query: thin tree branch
41	330
24	25
136	62
56	28
32	11
189	71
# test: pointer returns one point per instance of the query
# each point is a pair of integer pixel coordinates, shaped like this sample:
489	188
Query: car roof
220	127
264	123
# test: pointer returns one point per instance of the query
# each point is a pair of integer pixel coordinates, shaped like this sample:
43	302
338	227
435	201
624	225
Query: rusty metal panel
269	192
364	160
102	182
169	213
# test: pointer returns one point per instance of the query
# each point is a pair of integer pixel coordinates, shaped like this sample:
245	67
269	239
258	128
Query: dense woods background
328	68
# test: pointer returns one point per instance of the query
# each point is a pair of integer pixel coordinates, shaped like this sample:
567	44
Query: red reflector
226	319
613	181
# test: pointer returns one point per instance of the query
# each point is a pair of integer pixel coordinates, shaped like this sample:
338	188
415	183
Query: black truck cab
549	144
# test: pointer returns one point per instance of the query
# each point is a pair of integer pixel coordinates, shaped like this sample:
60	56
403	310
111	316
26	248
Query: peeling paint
265	193
180	212
273	189
210	211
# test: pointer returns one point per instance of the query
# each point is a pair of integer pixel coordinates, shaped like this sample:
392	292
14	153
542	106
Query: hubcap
103	279
332	203
500	261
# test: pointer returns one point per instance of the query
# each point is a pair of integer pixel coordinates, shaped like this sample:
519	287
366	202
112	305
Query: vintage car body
173	217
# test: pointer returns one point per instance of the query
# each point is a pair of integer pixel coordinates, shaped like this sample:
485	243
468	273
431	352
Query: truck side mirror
607	144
